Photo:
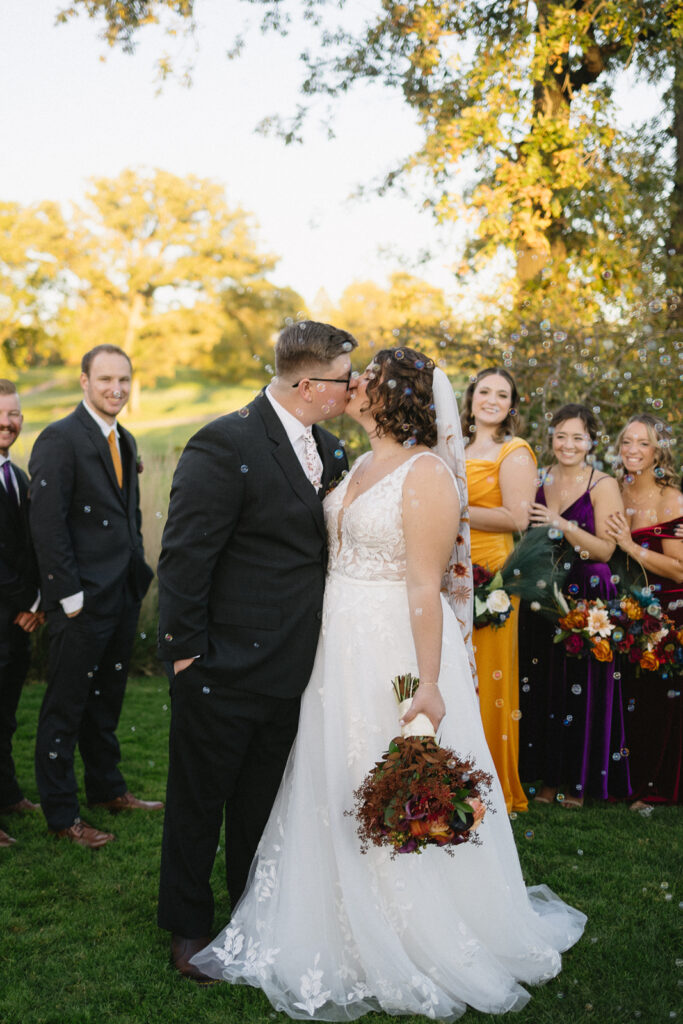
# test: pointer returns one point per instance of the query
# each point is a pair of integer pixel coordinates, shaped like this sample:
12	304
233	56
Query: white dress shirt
294	429
74	602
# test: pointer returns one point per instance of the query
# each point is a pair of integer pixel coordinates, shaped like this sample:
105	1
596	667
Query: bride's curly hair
400	396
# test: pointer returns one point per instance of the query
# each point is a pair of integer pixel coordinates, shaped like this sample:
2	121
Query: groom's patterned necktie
314	466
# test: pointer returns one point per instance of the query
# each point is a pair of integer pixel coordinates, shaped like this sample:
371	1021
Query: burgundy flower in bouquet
419	794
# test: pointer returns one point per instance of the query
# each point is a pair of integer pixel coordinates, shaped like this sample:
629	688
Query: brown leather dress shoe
128	802
182	950
22	807
6	840
84	835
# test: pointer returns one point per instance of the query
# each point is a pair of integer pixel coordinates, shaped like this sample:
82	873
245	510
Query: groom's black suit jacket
85	528
242	567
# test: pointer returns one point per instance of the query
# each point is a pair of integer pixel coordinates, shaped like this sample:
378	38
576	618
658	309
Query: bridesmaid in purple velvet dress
583	720
650	533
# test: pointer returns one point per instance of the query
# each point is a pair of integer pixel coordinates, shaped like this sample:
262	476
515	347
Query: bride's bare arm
431	514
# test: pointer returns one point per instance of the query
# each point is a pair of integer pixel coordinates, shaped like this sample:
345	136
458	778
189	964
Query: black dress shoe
182	951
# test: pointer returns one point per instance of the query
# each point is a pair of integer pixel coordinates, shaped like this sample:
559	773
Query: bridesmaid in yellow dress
501	481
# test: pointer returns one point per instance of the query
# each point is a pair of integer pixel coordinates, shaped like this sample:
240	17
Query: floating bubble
118	666
244	412
338	454
497	674
532	790
559	797
576	689
499	702
206	689
529	834
525	687
573	589
515	716
399	353
657	403
594	581
43	483
616	756
52	755
244	469
87	508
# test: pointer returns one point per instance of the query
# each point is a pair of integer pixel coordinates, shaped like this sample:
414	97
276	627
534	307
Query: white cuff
72	603
34	606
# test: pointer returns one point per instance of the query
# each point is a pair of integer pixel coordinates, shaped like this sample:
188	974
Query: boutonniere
335	483
139	464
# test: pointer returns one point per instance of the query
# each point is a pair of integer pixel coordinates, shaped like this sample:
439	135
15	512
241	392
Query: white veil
457	584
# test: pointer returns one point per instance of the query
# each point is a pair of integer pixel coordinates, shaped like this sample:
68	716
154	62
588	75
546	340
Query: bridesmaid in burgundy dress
581	725
648	533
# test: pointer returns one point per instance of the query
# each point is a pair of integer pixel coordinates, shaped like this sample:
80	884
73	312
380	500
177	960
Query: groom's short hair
309	342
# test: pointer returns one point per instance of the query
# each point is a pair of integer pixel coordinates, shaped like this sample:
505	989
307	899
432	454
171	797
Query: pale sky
66	116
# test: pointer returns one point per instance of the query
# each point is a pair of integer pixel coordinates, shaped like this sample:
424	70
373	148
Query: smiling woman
501	470
646	532
575	739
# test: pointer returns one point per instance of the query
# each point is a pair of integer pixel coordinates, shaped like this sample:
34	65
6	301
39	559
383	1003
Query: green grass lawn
80	944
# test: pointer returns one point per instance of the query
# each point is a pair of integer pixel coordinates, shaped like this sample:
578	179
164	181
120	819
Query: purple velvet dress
575	737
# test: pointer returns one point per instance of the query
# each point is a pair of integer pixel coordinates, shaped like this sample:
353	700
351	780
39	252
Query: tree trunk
675	240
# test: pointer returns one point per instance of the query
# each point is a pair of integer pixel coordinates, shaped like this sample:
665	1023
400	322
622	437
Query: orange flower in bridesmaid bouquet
601	650
632	608
575	619
649	661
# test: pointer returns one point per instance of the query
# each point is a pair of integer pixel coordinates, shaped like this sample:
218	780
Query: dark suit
86	532
18	592
241	579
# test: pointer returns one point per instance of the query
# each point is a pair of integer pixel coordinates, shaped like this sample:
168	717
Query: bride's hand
427	701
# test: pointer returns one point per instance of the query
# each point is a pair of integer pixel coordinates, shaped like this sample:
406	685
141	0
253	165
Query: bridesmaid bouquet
632	624
530	572
419	794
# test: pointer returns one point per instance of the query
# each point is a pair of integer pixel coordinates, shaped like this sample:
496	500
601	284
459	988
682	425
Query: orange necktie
115	458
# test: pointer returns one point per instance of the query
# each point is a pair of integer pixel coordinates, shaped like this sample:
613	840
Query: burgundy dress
654	719
575	735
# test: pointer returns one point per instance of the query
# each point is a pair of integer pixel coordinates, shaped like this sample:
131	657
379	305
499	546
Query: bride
329	933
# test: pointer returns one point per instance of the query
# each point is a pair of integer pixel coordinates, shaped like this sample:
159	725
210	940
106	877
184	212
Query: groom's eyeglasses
329	380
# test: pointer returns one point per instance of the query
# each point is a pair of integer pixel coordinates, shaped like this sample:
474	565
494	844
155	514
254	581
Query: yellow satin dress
496	650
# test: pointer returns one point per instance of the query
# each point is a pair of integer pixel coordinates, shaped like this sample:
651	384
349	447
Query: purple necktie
9	484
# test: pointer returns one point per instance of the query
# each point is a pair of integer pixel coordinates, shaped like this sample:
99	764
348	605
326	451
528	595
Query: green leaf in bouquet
559	637
479	606
496	583
534	569
462	810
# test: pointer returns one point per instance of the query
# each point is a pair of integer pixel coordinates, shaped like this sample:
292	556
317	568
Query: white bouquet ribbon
421	725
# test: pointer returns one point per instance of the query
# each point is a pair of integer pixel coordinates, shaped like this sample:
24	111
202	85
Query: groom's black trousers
228	750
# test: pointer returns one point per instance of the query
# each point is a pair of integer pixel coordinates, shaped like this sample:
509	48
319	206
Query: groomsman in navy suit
19	600
85	524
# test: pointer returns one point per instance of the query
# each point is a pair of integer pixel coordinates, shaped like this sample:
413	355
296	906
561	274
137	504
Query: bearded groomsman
85	521
19	600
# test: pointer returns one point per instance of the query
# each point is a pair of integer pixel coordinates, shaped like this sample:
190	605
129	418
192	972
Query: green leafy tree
35	245
165	266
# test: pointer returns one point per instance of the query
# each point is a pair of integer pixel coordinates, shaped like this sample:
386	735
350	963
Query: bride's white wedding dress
329	933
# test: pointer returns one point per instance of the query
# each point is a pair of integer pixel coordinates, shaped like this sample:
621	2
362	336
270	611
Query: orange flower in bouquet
601	650
633	609
575	619
649	661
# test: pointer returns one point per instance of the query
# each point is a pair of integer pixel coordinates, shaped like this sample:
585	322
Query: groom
241	578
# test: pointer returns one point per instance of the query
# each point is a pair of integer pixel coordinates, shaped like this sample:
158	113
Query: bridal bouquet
632	624
530	572
419	794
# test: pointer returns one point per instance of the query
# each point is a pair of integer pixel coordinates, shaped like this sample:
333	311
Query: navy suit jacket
85	528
